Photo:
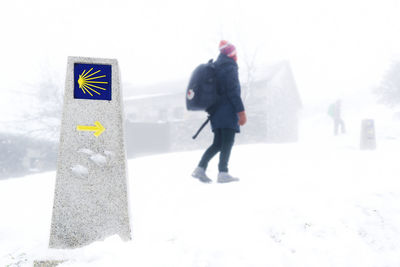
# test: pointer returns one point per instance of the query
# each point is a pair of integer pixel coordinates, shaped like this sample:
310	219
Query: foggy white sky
334	46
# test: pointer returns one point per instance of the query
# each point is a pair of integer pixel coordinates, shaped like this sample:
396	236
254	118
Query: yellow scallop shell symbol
88	83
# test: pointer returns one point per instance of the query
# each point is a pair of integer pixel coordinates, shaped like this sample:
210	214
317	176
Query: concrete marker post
91	192
367	140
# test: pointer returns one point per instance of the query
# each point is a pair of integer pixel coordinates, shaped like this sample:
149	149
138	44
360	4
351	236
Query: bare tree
388	91
44	118
249	73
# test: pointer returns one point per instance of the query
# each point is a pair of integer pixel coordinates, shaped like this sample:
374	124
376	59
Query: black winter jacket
229	102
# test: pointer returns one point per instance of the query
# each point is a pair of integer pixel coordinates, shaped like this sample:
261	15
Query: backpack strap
201	128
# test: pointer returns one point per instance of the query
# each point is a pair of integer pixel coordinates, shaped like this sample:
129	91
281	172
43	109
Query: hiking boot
200	173
224	177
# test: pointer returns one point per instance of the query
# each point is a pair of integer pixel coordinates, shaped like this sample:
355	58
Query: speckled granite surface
91	197
46	263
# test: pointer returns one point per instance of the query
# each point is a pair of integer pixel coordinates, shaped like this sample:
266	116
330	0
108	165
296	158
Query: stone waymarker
367	140
91	197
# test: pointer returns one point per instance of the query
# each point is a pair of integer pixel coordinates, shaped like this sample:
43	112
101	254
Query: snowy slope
316	203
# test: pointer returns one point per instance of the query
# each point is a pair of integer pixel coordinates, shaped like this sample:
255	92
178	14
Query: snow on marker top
91	209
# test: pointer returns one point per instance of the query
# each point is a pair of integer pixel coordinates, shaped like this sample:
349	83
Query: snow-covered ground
320	202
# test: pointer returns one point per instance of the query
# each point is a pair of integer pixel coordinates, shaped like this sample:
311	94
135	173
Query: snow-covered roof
147	96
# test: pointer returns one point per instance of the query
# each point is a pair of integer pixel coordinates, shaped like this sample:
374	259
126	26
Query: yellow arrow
98	129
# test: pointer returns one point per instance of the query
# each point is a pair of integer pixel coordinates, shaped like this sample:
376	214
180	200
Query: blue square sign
92	81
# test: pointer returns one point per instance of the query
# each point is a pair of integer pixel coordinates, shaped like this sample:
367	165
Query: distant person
228	115
335	112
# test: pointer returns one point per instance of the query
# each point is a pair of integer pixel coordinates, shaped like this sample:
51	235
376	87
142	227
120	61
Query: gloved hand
242	118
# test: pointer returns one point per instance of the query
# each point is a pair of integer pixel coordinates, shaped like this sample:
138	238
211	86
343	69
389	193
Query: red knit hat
228	49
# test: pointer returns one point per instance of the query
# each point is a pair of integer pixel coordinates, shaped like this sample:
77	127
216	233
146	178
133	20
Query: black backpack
201	93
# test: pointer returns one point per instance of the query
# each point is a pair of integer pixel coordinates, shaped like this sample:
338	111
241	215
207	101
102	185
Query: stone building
273	104
159	122
21	155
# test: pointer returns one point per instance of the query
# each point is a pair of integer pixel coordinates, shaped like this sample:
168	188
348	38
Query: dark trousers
223	142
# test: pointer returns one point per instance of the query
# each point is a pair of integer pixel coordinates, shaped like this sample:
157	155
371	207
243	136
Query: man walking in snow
229	114
335	112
